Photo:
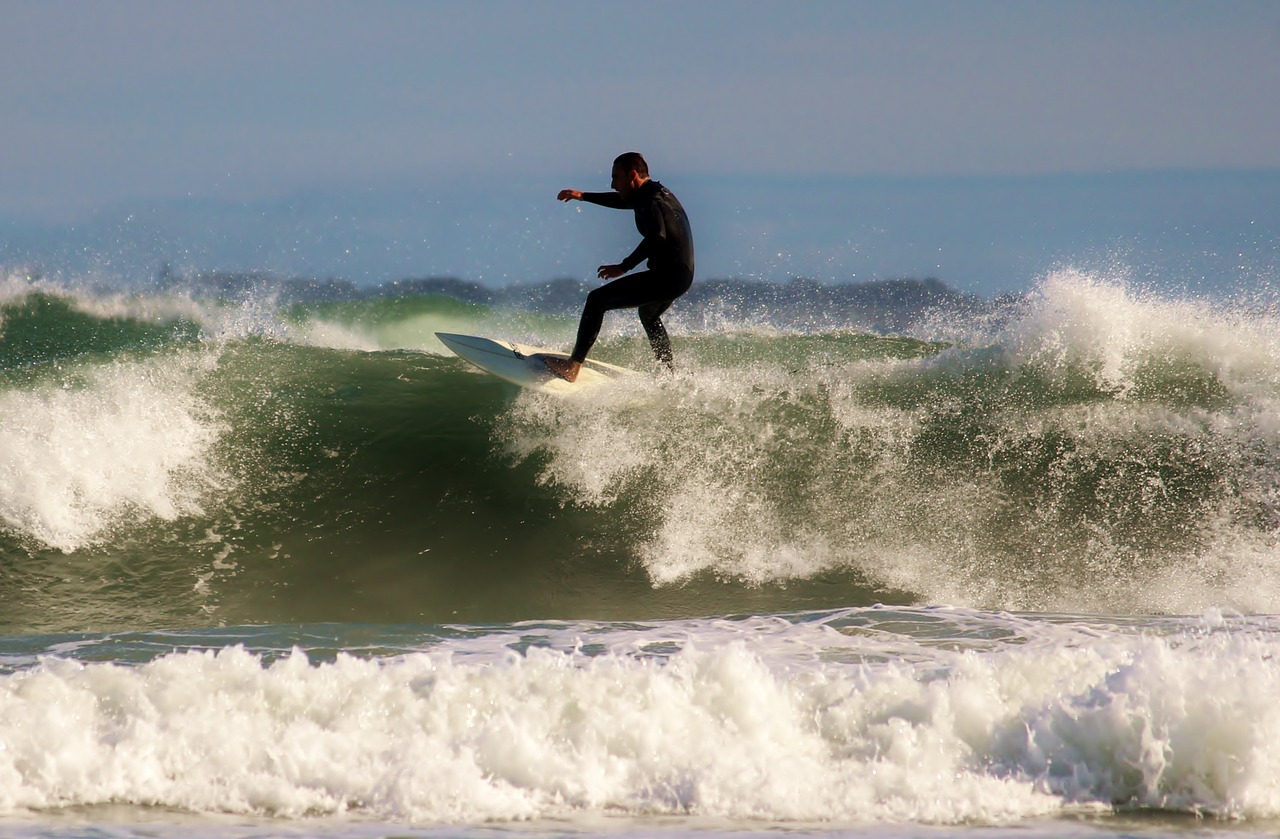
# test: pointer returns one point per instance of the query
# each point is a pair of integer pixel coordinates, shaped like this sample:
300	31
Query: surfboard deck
522	365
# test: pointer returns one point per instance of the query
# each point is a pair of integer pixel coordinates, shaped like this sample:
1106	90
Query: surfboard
522	365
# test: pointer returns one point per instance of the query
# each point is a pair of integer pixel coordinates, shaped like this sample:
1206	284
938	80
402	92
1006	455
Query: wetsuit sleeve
606	199
640	254
654	229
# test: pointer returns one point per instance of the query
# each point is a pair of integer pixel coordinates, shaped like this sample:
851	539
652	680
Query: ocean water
292	569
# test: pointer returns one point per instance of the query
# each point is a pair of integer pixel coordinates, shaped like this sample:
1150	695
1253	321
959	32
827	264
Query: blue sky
107	103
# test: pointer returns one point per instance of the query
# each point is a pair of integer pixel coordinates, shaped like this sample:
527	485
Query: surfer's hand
569	195
610	272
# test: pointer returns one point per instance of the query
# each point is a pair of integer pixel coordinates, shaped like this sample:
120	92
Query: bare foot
565	368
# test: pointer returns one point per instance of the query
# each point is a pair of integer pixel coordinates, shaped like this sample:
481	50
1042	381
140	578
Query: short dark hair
632	160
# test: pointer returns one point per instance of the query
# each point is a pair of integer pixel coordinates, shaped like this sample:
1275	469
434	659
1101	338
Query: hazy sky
134	99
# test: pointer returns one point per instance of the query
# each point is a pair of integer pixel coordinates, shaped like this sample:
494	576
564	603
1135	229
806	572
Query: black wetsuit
667	244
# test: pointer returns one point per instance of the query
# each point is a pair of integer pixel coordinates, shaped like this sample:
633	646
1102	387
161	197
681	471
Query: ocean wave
1087	448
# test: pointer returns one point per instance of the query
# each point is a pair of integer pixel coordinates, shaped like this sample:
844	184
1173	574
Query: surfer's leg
623	293
651	320
589	326
672	284
652	292
618	294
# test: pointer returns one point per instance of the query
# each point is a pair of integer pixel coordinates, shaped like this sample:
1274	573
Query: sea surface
277	568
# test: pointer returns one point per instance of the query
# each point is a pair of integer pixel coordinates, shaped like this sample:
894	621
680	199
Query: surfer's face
625	181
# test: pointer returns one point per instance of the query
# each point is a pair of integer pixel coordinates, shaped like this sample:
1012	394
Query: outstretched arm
605	199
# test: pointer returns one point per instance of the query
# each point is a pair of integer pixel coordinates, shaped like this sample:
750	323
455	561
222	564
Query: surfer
668	247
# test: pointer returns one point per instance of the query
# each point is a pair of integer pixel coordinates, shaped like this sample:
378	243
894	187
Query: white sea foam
126	440
1099	324
1119	445
762	720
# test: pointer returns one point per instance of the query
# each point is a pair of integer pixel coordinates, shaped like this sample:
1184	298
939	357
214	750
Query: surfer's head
630	171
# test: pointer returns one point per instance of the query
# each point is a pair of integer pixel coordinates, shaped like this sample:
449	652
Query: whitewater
288	567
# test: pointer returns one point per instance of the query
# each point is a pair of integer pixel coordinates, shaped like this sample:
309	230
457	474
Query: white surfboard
523	365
